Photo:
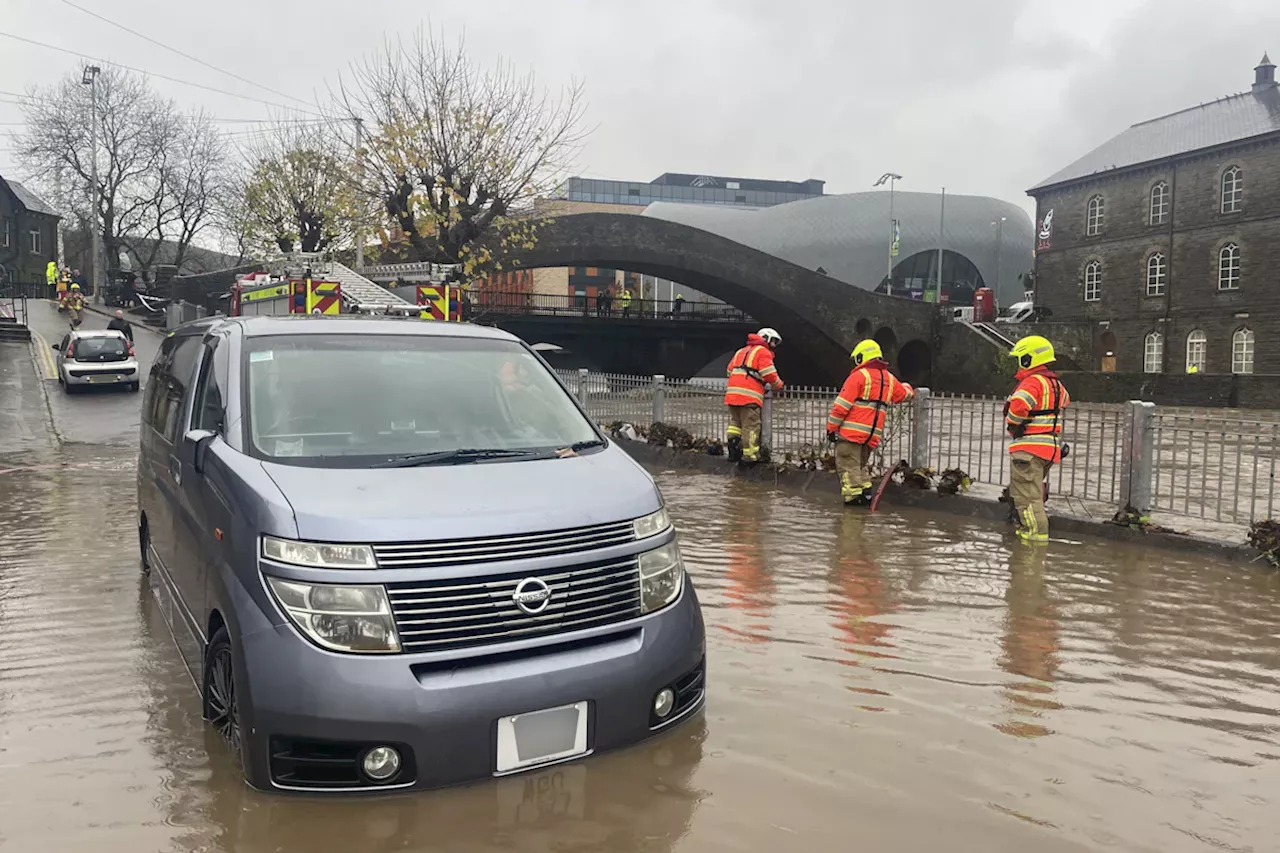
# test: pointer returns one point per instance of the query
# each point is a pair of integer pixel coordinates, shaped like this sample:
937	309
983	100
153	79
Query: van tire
134	387
221	703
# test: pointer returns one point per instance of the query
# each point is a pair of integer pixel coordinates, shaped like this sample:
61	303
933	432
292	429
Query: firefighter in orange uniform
1033	418
856	421
751	371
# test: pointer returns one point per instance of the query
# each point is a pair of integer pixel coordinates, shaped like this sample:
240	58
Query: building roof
848	235
1231	119
28	199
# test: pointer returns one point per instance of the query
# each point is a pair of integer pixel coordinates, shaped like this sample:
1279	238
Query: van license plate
527	740
107	378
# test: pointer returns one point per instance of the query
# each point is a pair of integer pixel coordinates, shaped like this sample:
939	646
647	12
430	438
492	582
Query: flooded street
897	682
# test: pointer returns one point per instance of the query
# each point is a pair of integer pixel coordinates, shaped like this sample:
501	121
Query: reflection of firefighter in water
1030	644
858	589
750	587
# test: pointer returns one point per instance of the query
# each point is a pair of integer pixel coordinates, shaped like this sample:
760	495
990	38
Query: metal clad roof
848	235
1220	122
30	200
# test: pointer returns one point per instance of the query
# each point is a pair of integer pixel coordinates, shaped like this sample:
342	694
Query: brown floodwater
896	682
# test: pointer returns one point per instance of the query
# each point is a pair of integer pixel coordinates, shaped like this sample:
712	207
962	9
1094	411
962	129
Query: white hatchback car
96	357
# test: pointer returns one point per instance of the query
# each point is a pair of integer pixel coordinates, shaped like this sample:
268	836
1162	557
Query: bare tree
157	170
297	190
455	154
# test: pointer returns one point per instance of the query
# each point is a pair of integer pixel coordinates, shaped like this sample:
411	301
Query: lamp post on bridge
892	178
999	224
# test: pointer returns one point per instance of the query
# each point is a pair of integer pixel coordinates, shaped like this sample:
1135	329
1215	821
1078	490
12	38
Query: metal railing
506	303
1213	464
14	297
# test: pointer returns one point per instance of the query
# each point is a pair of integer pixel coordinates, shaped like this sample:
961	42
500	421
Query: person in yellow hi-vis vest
51	275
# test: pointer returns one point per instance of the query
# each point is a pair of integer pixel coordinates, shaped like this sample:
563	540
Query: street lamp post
892	178
89	79
999	224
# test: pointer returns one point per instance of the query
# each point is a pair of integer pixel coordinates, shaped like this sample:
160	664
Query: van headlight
318	555
340	618
661	577
652	524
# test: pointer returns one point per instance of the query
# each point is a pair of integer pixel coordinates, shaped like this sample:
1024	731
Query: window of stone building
1232	190
1153	353
1229	267
1093	221
1197	348
1242	351
4	232
37	242
1157	272
1159	204
1093	281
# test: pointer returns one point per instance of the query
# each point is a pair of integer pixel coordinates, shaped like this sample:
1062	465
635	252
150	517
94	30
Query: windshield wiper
451	457
579	446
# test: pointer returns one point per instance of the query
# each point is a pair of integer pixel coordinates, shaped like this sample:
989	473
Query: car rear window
101	349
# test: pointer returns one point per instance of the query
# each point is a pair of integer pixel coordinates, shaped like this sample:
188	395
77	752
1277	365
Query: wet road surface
106	415
900	682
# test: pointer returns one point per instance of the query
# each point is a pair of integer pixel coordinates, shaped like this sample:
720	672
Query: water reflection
749	586
860	595
1029	644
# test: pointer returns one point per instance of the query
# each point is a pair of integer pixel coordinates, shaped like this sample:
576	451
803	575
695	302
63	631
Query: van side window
156	383
168	410
207	411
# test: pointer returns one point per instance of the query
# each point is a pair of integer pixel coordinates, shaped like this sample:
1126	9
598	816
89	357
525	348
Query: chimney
1264	76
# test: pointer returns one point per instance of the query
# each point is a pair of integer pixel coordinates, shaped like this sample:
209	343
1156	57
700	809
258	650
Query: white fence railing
1213	464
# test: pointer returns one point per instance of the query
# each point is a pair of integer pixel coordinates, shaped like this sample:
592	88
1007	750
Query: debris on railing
669	435
1265	536
810	457
953	481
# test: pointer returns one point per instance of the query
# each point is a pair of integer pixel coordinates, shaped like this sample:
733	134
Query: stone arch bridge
820	318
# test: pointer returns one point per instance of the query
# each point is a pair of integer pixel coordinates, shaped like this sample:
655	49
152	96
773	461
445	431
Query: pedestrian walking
751	371
1033	419
75	306
120	324
625	301
855	424
677	304
51	278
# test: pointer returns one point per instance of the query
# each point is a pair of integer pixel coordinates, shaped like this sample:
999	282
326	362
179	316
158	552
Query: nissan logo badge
532	595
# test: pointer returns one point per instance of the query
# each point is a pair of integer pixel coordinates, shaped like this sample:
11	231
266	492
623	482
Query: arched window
1156	273
1093	281
1153	353
1159	204
1242	351
1229	267
1093	219
1232	190
1197	345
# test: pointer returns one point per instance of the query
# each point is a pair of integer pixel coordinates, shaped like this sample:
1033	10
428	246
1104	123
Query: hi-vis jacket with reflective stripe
750	370
1033	414
859	412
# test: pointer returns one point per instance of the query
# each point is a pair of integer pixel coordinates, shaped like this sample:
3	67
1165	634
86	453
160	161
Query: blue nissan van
399	555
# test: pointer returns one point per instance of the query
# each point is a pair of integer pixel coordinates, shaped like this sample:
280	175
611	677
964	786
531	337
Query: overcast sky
982	96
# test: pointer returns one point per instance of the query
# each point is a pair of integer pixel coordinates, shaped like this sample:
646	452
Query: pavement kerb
36	344
825	483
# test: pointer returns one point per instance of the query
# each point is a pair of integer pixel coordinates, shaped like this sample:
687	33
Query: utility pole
360	177
90	79
942	223
892	178
999	224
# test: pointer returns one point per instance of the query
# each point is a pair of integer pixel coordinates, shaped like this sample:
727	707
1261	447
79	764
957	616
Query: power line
155	74
184	55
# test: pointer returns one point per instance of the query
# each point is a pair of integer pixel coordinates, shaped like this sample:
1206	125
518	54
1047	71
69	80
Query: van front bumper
300	703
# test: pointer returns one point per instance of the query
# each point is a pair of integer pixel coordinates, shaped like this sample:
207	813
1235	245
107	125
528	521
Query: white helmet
770	336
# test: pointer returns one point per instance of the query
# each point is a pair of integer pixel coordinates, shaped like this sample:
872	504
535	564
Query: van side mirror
196	443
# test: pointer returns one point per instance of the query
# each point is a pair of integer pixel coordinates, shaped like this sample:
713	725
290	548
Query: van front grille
454	614
457	552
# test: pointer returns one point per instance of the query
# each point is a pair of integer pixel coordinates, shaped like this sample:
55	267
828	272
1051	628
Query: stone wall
1167	389
1189	238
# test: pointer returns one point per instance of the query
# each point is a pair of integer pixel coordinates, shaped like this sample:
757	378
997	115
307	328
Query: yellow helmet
1032	351
866	351
75	287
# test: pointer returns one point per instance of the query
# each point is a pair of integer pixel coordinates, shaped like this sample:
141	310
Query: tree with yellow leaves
453	155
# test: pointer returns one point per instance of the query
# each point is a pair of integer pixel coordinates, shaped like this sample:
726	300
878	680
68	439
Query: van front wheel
221	707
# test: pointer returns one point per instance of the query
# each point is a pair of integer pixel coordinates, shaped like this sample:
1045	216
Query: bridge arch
819	317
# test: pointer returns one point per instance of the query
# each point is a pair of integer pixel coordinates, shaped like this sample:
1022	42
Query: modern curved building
985	241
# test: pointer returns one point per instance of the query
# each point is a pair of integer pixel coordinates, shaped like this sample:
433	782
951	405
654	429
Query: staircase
10	328
360	291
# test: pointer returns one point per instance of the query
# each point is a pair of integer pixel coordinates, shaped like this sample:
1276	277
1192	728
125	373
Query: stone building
28	234
1166	239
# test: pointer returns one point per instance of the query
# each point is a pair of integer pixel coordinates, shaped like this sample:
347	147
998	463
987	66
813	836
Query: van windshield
371	400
